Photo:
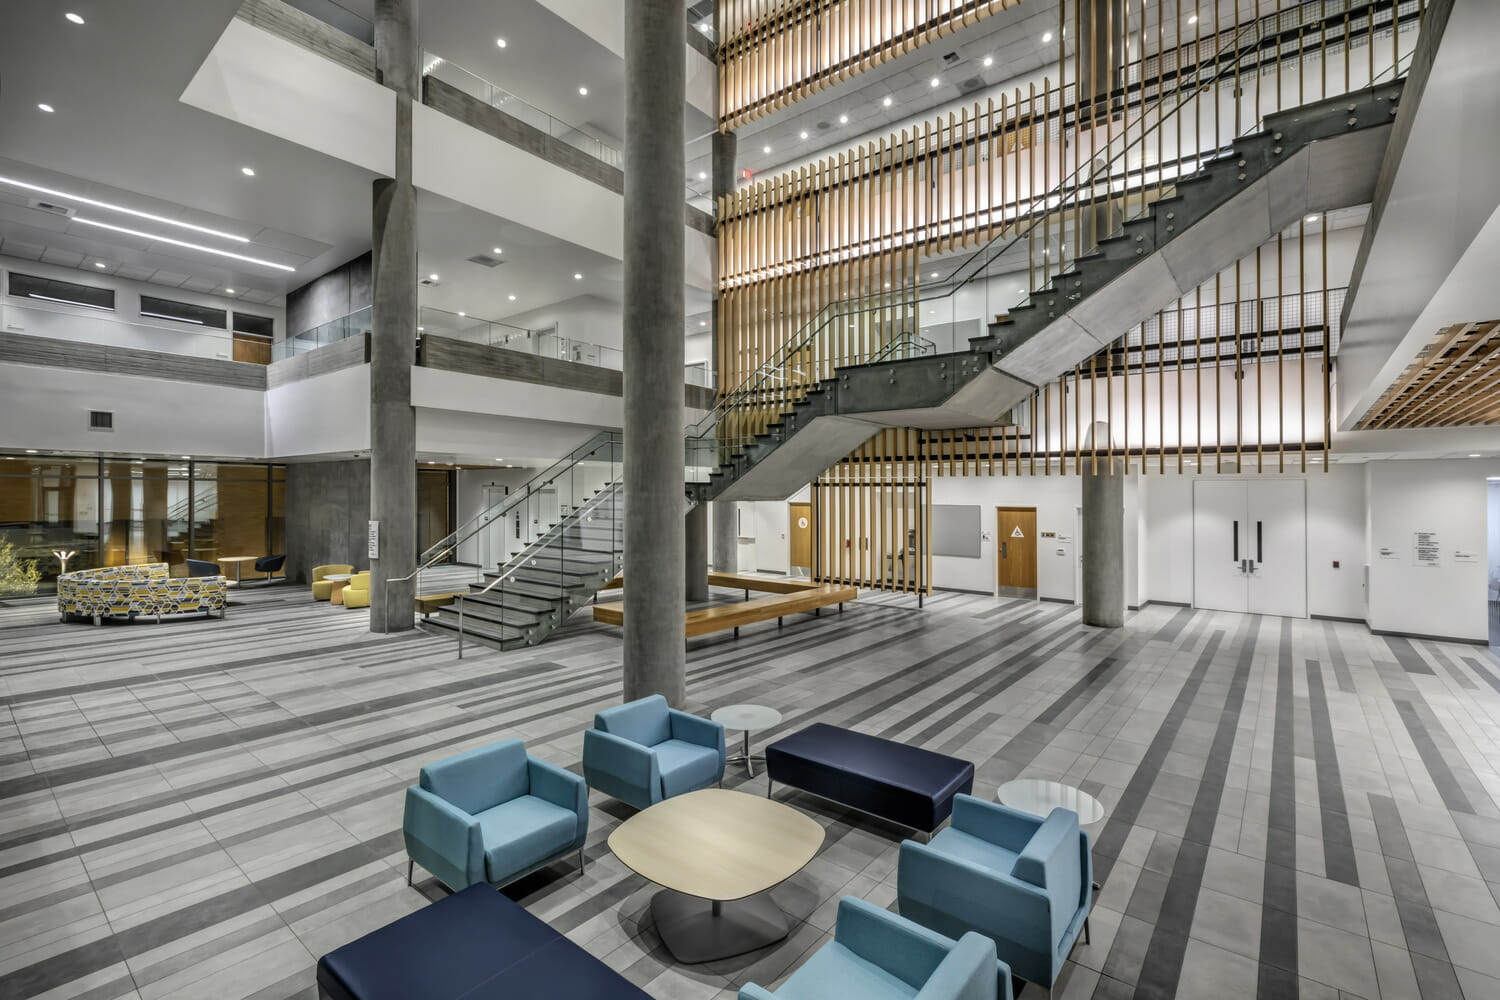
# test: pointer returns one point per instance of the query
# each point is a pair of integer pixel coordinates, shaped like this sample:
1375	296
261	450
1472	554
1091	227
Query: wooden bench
769	585
428	603
762	609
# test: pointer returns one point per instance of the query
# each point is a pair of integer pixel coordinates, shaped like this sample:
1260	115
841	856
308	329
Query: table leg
749	762
700	930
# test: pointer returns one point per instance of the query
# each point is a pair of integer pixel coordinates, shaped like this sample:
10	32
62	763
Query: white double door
1250	546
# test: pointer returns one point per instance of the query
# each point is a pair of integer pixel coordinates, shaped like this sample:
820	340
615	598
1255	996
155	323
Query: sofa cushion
480	778
645	721
521	833
835	971
685	767
974	849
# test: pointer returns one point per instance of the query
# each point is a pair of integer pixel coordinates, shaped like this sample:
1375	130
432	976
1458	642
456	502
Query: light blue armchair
876	955
1020	880
642	752
492	815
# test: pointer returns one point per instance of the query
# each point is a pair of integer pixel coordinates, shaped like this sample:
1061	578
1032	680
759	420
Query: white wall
48	409
1494	541
324	415
583	317
1447	497
469	499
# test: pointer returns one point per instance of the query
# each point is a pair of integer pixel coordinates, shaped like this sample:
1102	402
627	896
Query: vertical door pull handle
1260	555
1002	549
1237	541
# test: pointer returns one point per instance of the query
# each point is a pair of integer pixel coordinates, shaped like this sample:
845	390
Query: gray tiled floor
201	808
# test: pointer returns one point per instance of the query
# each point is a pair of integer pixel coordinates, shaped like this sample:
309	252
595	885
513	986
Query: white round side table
1039	797
748	718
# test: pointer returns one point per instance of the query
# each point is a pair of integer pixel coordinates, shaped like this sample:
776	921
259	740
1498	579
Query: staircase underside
1215	219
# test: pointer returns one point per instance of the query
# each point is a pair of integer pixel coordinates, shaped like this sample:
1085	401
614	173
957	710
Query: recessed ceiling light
498	250
583	91
802	135
432	277
702	176
500	42
1474	454
1047	37
421	329
75	18
180	243
120	208
843	119
462	313
46	107
577	276
229	291
703	322
888	284
187	458
932	275
1312	218
31	451
99	263
1193	19
887	102
989	60
248	171
765	149
934	82
511	297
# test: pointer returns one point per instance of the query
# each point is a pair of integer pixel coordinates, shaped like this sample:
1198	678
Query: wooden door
800	534
1015	547
251	349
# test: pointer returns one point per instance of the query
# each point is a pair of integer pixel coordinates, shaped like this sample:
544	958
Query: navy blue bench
901	783
475	944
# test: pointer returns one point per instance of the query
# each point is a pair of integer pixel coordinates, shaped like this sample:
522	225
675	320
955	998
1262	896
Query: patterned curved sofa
132	591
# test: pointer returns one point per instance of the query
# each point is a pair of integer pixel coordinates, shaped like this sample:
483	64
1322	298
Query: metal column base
700	930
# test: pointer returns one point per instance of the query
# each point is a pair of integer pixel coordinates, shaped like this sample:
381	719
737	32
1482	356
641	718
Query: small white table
1039	797
339	581
748	718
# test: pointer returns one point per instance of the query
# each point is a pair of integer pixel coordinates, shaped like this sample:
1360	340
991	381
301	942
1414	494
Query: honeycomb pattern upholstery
146	589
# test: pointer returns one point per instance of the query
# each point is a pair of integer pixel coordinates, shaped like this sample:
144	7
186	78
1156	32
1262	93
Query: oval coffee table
1039	797
716	853
747	718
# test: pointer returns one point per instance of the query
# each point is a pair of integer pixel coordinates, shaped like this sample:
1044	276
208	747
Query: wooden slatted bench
762	609
429	603
770	585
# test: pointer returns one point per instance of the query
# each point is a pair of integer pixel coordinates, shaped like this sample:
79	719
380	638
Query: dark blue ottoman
475	944
904	784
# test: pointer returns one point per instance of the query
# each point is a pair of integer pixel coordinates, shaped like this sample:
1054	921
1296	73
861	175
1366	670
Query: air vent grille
485	260
101	420
50	208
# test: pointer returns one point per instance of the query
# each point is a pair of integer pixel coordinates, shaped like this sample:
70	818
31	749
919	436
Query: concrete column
655	78
726	546
1101	47
1102	547
696	554
393	422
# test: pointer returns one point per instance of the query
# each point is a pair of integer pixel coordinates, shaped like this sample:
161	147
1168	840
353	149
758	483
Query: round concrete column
725	545
655	78
393	331
1102	547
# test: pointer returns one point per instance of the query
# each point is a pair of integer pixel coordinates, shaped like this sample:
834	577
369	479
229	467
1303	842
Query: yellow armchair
323	589
357	592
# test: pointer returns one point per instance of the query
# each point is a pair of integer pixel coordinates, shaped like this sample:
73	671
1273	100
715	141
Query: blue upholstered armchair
642	752
876	955
492	815
1020	880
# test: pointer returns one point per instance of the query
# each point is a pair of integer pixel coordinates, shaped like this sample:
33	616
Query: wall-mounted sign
1049	534
1465	557
1386	553
374	542
1426	551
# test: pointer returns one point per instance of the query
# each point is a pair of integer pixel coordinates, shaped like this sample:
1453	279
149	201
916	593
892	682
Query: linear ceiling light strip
109	206
181	243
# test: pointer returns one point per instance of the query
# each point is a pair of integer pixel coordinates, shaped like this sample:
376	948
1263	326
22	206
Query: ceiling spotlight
187	458
500	42
46	107
462	313
989	61
229	291
583	91
75	18
702	175
421	329
843	119
577	276
31	451
765	149
802	135
887	102
703	322
99	263
934	82
1193	19
248	171
1047	38
1312	218
1474	454
511	297
497	250
932	275
888	284
432	277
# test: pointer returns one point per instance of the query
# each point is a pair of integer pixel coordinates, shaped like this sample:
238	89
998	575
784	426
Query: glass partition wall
118	511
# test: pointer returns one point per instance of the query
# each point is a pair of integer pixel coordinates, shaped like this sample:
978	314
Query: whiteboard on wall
955	531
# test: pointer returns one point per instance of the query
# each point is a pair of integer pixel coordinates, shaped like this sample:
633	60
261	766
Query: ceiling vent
50	208
970	85
101	420
485	260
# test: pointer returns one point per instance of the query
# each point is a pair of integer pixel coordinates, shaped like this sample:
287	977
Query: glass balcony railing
332	332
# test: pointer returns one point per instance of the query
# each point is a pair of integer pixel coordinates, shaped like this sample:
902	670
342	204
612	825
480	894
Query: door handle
1003	550
1237	545
1260	555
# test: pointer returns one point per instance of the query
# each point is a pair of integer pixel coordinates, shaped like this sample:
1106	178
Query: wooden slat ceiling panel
1454	382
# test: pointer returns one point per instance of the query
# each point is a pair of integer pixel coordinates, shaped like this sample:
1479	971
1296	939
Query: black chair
269	564
197	567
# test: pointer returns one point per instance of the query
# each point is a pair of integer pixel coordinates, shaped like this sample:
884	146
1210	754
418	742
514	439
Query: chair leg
580	861
410	864
1085	930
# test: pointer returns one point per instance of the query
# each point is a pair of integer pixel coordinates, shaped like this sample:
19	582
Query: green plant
18	577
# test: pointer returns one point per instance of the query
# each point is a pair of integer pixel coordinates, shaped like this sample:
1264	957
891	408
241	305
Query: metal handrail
519	560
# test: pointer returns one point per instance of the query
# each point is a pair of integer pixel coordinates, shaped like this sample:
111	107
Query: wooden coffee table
339	581
716	853
238	562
